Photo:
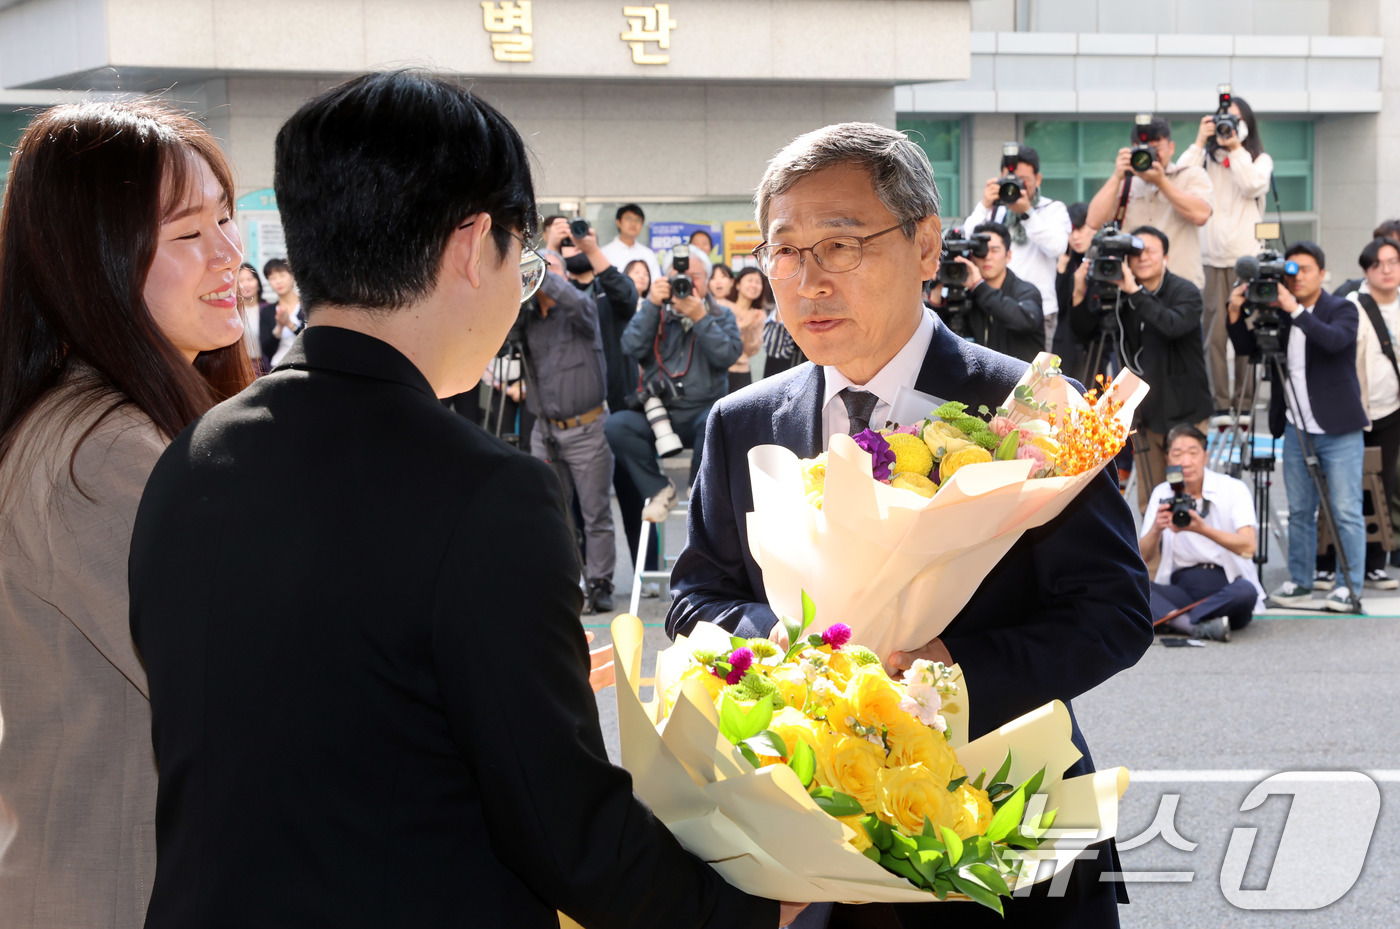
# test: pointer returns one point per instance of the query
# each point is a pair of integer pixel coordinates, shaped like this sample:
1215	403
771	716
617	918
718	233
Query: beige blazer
77	772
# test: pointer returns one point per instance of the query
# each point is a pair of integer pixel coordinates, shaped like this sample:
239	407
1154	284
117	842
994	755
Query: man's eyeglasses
836	254
532	267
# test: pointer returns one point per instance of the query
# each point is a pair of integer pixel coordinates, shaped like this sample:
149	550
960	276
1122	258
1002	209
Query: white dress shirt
1298	377
901	371
289	335
620	255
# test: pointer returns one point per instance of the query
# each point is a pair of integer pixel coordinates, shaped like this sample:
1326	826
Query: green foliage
803	763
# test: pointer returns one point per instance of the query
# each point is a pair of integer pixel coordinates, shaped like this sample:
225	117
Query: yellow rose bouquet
808	774
893	530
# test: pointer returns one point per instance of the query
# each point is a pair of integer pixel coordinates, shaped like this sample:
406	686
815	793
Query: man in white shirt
625	248
1204	573
1039	229
1378	305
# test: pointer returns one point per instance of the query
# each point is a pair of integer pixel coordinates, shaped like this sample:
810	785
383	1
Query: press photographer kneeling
1203	527
1000	310
685	342
1156	322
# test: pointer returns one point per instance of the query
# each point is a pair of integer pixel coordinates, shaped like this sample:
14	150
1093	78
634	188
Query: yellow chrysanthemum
910	453
951	463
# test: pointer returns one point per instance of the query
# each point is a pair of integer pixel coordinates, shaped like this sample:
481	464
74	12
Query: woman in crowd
119	325
1240	172
1065	344
722	284
640	274
751	301
259	318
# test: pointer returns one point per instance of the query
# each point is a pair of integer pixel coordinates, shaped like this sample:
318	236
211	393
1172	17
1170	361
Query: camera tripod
1269	361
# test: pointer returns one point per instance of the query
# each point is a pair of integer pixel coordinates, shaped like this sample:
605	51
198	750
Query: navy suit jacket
1330	355
1065	610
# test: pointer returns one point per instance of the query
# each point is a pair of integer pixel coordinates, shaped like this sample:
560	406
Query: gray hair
898	168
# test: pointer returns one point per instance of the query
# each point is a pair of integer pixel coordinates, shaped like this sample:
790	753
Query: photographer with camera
1175	198
999	311
1316	334
1229	148
566	386
685	342
1204	528
1039	226
1158	322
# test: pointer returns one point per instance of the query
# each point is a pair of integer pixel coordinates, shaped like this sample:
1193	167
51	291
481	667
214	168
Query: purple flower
739	662
881	456
836	636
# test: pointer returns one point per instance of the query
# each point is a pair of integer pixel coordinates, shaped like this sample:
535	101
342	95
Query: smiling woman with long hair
119	325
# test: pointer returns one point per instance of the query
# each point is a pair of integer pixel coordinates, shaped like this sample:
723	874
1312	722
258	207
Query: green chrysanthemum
704	657
762	648
861	655
756	686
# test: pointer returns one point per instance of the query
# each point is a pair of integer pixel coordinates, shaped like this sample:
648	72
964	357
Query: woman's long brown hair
78	234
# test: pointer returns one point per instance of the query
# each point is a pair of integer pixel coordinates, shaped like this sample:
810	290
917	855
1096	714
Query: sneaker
1290	594
1339	601
600	591
659	506
1324	580
1378	579
1216	630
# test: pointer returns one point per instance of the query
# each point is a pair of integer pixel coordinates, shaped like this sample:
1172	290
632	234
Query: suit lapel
797	422
947	366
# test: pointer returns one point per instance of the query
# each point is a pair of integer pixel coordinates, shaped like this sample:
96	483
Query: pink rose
1001	426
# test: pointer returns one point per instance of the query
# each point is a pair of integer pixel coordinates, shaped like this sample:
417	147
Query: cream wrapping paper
894	566
763	833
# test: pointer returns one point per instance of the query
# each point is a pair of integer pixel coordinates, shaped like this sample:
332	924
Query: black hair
1159	128
374	176
1188	430
276	264
1254	144
1371	254
1390	229
1078	214
1311	249
1161	236
549	220
630	208
1024	153
998	229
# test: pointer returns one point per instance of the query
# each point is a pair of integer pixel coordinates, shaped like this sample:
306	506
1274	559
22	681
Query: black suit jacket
1065	610
1334	392
379	714
267	321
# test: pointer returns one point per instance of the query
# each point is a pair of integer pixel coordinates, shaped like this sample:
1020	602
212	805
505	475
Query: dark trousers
634	447
1233	599
1385	434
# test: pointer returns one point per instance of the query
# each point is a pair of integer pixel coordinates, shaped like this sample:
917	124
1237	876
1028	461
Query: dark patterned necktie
859	405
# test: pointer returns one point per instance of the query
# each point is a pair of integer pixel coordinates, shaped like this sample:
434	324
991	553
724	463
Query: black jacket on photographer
567	371
695	356
1008	319
1161	341
616	297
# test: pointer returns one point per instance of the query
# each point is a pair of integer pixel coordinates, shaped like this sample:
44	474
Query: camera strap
1373	313
1122	210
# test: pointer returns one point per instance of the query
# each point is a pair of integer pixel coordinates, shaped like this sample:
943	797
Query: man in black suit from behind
398	730
850	219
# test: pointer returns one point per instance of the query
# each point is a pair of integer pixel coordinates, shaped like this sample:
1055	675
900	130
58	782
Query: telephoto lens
667	442
1140	158
579	228
1011	189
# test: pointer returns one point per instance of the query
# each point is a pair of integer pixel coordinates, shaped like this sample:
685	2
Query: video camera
1181	502
1227	124
952	274
1263	275
1105	256
681	284
651	401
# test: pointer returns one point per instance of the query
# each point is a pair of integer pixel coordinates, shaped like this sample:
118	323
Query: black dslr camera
1142	154
1010	188
1180	502
952	274
681	284
1106	253
1227	124
578	229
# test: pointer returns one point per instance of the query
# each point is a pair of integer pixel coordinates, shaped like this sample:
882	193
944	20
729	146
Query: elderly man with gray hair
685	344
850	219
